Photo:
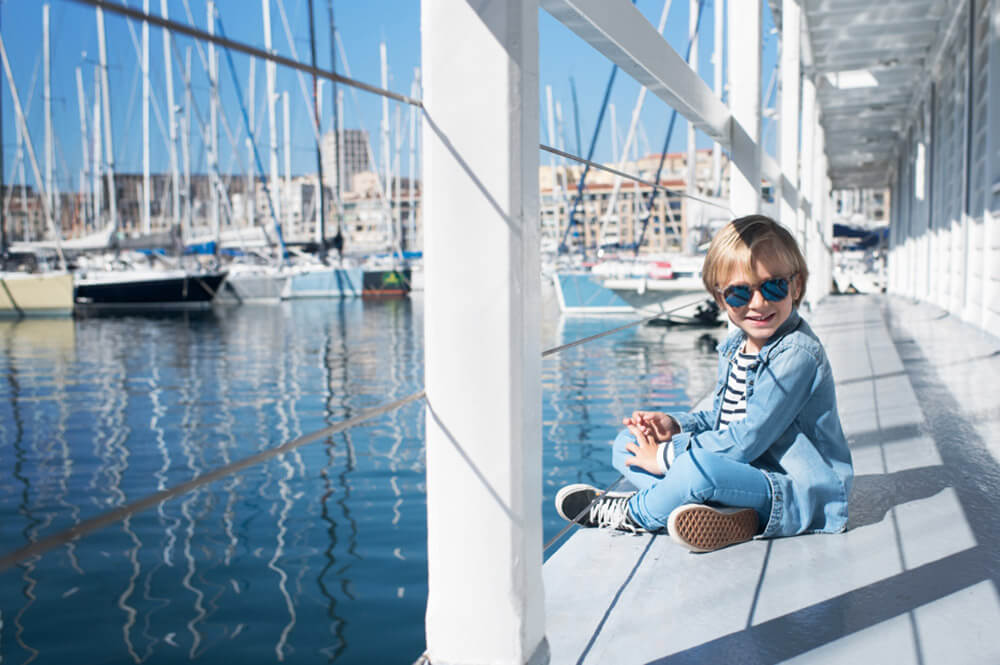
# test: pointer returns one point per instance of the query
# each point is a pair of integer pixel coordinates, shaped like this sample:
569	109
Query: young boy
770	457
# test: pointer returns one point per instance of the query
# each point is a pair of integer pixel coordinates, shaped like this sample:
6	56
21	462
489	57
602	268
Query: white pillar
806	197
480	136
744	100
789	141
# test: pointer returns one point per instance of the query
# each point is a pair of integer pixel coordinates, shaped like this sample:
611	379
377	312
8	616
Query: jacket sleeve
694	421
783	386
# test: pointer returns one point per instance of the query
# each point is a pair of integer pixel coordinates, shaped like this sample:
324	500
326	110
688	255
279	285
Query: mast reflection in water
315	556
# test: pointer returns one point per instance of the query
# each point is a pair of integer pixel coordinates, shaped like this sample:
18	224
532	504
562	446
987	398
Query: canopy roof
871	61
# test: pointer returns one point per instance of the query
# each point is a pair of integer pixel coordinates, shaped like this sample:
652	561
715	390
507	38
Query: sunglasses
773	290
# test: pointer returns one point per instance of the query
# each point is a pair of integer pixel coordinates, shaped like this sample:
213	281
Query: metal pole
175	201
213	150
321	216
146	226
270	70
47	211
186	146
692	152
288	156
81	102
106	103
251	134
337	133
717	54
412	170
96	164
47	103
386	166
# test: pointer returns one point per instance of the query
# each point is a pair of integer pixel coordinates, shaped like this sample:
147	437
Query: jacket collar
791	323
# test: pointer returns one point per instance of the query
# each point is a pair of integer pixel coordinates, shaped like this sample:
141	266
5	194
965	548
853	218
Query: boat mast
50	189
186	146
717	87
251	196
81	102
694	9
386	166
270	69
4	254
213	150
175	190
287	143
95	167
146	226
106	99
36	171
338	240
411	218
321	217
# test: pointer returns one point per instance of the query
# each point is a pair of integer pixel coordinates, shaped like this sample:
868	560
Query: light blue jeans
696	476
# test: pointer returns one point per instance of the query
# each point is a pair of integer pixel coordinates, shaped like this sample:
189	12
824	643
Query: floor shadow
873	495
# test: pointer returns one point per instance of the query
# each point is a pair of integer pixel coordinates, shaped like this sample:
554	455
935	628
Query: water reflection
307	556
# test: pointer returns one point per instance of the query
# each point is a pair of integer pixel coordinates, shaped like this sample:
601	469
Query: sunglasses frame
757	287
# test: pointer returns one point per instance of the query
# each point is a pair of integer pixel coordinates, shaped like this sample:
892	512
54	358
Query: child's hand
655	425
644	451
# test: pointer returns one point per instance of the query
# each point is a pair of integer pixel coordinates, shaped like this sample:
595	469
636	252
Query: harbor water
315	556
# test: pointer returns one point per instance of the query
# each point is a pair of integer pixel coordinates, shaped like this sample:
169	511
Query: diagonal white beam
619	31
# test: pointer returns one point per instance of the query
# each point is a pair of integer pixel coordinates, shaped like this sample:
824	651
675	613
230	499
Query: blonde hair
744	241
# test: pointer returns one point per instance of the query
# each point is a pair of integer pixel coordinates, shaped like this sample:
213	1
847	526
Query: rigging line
629	176
126	511
584	340
247	49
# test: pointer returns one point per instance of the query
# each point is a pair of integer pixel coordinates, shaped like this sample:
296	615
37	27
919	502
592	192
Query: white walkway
913	580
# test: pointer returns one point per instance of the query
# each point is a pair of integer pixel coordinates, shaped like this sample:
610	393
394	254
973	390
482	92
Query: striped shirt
734	400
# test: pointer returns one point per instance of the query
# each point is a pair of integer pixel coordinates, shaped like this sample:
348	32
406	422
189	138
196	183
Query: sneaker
702	528
588	506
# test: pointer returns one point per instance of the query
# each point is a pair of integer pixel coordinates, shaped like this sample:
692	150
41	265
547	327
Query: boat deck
913	580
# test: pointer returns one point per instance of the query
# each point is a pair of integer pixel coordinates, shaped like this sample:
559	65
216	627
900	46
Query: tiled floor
913	580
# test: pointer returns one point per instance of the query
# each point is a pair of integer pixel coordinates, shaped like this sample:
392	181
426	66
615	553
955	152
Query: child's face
765	311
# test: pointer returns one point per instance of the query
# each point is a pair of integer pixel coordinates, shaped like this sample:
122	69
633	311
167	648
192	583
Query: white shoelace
612	513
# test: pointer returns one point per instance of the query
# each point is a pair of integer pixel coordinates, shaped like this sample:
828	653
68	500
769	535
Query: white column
480	136
744	100
806	197
789	137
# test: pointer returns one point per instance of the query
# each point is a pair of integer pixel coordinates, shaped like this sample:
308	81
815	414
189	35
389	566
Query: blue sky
362	25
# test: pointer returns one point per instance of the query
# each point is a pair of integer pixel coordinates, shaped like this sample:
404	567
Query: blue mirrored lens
774	290
737	296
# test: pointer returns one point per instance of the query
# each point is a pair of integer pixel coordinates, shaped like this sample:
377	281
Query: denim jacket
791	432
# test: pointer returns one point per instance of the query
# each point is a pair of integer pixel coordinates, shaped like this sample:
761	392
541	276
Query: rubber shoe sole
702	528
